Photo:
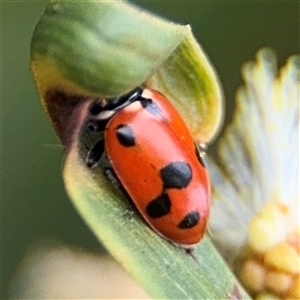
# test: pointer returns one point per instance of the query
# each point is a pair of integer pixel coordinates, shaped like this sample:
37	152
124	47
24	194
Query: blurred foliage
34	203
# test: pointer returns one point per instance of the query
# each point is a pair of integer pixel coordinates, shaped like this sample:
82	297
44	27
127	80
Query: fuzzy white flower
256	180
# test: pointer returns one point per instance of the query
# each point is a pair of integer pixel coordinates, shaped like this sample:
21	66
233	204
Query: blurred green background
34	203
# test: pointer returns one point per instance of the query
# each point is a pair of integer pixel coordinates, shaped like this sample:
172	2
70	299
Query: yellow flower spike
253	275
283	257
267	229
266	296
294	292
277	282
270	226
255	213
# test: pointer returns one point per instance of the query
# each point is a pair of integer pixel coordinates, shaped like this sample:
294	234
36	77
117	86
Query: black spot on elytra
176	175
95	108
95	154
199	157
96	125
159	207
190	220
125	135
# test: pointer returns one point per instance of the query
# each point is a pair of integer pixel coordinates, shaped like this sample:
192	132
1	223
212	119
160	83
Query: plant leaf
93	49
190	82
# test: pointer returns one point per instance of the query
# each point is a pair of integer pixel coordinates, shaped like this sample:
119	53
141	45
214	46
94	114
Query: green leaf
107	48
190	82
92	48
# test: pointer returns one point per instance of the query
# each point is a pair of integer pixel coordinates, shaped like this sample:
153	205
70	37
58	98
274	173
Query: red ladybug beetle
157	162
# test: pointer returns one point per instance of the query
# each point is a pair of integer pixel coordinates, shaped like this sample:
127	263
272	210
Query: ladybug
154	157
